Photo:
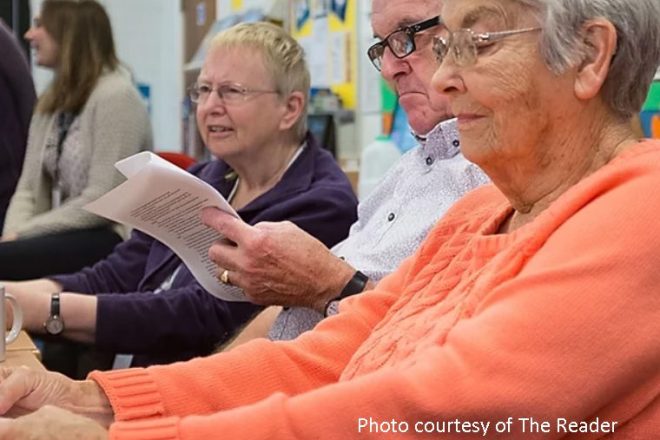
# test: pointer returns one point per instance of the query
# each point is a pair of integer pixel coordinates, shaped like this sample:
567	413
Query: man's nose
391	66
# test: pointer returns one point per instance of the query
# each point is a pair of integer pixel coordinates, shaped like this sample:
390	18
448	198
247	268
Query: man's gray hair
638	47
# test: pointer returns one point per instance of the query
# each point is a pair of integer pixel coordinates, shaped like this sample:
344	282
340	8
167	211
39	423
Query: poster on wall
224	7
251	4
236	5
339	65
302	13
321	8
327	41
339	9
317	47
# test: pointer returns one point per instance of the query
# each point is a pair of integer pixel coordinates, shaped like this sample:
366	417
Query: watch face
54	326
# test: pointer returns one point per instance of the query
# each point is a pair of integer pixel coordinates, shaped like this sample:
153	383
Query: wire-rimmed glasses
401	41
228	92
464	44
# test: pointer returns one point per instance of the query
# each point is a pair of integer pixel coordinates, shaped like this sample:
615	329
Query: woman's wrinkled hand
23	391
51	423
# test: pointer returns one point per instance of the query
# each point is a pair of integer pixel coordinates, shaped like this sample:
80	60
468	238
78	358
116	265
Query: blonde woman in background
90	116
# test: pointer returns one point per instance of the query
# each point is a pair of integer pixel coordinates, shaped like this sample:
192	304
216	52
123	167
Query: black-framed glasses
401	41
228	92
464	44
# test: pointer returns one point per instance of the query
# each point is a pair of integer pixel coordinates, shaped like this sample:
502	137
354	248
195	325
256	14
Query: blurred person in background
17	99
89	117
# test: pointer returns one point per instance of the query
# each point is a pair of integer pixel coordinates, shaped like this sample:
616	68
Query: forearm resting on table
78	310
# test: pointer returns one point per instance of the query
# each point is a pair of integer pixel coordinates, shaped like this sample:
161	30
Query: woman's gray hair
638	47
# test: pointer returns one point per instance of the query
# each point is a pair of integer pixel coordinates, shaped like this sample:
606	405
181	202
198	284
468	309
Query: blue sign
302	13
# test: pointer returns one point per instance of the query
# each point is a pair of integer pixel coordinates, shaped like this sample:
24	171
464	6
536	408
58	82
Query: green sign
653	100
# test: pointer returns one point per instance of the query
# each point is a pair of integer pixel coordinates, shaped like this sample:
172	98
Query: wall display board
327	31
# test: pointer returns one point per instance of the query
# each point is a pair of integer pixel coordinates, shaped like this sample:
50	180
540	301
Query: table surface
24	343
23	352
22	359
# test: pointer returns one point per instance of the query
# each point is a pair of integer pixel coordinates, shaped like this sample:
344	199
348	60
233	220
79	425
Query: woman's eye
231	93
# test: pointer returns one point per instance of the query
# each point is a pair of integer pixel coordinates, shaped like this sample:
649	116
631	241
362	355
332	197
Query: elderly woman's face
238	110
501	92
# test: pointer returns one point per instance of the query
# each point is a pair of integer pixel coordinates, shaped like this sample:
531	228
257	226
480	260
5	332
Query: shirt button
456	143
429	161
390	217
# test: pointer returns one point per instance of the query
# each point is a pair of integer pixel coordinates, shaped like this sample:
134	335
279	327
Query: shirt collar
442	142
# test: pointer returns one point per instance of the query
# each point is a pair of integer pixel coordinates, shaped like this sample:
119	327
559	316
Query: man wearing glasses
293	270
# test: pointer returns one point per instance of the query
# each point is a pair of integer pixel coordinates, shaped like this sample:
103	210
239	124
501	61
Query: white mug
16	325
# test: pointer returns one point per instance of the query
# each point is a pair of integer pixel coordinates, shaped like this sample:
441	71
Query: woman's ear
599	46
294	107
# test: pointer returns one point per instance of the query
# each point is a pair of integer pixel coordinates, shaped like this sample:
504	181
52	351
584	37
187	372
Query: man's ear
599	41
293	108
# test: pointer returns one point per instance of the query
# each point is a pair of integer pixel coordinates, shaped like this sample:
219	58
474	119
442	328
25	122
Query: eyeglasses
465	44
229	93
401	41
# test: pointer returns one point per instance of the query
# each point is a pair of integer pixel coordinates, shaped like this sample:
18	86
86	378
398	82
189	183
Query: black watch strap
55	304
54	325
354	286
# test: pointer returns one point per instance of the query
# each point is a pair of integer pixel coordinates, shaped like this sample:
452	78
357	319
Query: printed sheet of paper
165	202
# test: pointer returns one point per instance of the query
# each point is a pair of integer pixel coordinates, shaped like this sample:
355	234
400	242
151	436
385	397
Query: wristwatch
54	325
355	285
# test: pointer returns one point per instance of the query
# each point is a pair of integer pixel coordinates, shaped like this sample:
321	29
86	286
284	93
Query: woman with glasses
89	117
251	99
531	311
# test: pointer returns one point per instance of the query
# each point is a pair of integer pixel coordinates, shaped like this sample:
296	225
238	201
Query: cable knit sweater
556	320
114	124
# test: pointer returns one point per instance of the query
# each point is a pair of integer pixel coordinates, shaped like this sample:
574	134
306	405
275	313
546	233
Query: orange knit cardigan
557	322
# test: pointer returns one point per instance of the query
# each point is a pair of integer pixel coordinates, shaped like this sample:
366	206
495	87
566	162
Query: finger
224	255
12	389
234	278
223	276
229	226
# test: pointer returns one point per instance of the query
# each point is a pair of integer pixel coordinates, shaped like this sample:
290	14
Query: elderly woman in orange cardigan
534	298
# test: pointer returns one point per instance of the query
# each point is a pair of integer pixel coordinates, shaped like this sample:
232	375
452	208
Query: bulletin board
327	30
228	8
